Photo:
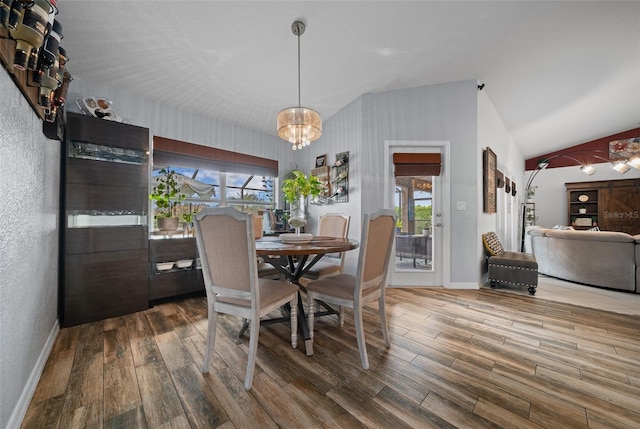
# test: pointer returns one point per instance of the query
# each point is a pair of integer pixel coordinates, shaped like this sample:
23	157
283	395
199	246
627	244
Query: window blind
417	164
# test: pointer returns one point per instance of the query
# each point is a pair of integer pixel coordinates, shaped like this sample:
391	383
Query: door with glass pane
417	199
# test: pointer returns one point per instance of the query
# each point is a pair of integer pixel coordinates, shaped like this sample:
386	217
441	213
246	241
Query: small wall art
489	181
321	161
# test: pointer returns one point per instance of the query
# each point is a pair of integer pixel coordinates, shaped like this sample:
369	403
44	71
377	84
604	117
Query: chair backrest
378	234
226	247
334	225
492	243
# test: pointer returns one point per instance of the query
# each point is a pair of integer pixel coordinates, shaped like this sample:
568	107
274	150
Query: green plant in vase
167	196
296	188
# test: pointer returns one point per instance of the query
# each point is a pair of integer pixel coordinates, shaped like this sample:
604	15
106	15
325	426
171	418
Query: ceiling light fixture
620	167
634	162
299	125
588	169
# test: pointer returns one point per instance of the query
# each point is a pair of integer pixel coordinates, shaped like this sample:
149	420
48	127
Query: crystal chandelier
299	125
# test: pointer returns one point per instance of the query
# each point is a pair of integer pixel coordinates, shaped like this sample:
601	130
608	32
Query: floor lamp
621	165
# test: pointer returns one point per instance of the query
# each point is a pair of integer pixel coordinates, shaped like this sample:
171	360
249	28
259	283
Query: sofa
596	258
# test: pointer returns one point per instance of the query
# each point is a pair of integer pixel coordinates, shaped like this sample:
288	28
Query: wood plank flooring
466	358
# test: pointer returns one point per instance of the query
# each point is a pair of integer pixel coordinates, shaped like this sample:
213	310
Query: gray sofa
597	258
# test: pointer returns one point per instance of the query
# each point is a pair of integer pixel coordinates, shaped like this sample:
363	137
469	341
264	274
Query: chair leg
294	322
341	315
383	321
211	337
311	316
253	351
362	345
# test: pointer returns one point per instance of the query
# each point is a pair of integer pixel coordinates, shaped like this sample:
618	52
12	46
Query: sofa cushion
524	260
581	257
607	236
492	243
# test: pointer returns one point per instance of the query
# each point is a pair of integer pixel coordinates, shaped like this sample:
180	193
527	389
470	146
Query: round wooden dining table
295	259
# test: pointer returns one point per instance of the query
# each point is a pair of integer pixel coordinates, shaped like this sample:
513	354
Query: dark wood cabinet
611	205
104	200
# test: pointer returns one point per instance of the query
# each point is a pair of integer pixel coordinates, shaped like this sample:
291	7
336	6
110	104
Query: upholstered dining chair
369	282
226	247
330	225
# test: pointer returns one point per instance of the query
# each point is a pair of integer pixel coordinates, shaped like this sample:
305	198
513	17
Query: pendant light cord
299	104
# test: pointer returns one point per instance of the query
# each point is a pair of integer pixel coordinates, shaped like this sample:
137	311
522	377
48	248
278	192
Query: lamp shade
620	167
299	126
588	169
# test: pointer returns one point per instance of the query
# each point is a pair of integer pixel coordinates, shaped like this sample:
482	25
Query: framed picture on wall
321	161
489	180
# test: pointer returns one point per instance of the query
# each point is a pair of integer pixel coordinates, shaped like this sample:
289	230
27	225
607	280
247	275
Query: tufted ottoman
514	268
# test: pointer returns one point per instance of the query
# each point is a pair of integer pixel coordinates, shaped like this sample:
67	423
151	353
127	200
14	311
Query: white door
418	257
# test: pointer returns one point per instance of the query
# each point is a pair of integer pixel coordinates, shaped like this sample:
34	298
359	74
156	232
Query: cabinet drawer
107	198
105	284
108	133
87	172
172	249
165	285
106	239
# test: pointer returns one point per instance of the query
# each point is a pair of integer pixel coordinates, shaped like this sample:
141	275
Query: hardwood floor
459	358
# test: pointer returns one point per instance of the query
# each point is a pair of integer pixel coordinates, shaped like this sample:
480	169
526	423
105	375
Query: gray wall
182	125
29	176
445	112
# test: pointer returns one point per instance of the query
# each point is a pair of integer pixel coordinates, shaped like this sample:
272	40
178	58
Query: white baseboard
454	285
449	286
20	409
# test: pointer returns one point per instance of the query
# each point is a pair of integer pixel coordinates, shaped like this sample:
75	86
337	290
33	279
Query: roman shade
169	152
417	164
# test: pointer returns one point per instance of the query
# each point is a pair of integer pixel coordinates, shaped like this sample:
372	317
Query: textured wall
29	179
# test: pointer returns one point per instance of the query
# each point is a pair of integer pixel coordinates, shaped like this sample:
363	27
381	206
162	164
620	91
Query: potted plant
167	197
296	188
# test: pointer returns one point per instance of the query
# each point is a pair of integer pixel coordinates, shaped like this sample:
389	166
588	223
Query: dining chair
226	247
369	282
330	225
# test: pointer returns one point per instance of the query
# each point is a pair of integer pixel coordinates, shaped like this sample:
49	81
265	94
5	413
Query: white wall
29	177
551	194
493	133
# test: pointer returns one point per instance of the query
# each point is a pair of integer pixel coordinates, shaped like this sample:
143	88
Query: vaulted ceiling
558	73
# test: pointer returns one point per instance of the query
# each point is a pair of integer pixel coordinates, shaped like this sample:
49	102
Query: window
207	188
213	177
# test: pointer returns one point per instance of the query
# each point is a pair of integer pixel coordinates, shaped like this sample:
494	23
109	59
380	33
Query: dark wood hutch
611	205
